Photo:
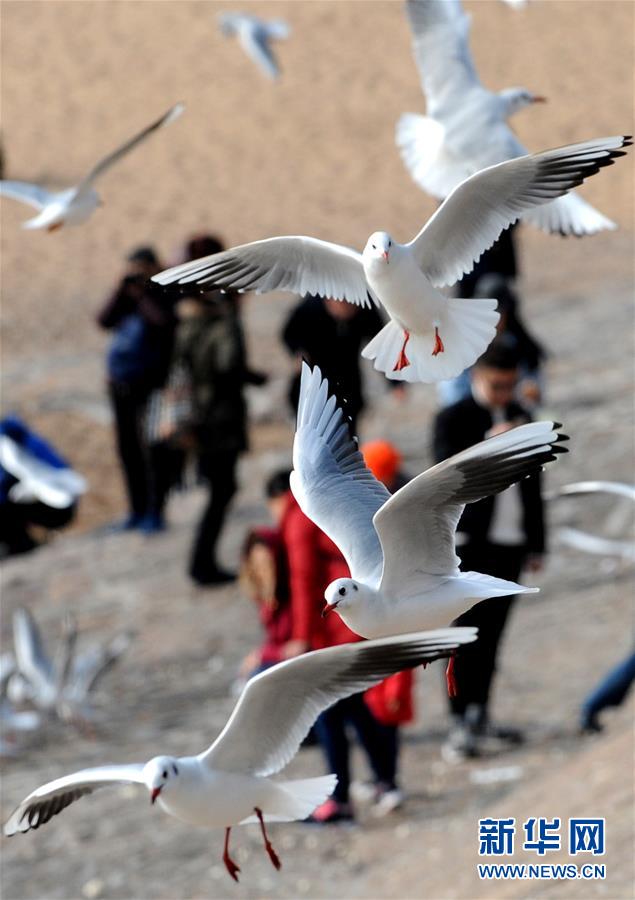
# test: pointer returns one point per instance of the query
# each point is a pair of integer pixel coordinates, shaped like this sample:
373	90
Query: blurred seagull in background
229	783
61	685
400	547
254	36
466	128
429	337
76	204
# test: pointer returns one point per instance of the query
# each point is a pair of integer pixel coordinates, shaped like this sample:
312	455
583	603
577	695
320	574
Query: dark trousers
612	689
219	470
148	471
378	741
475	665
128	404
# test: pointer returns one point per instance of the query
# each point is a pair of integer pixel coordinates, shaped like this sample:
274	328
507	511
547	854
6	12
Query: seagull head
342	593
158	772
379	248
517	98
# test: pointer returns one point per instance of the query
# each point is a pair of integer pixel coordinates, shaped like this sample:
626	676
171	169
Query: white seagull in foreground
466	127
255	35
400	547
229	783
429	337
76	204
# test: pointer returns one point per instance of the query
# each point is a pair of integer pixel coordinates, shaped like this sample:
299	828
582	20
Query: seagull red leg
273	856
450	679
402	359
438	343
230	865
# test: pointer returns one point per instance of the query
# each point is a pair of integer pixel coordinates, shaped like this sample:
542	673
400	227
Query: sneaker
331	811
462	744
387	802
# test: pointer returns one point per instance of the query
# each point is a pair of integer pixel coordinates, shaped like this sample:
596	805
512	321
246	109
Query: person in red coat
312	562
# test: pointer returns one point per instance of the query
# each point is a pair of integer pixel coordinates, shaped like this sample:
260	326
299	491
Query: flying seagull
429	337
466	128
229	783
255	36
400	547
60	685
74	205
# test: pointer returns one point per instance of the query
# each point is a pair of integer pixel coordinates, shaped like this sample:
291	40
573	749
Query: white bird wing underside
440	31
475	213
301	265
330	480
50	799
24	192
278	707
417	526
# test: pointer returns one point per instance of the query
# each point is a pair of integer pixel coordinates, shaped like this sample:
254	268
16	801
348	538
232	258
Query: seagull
400	547
617	523
59	685
228	784
429	337
76	204
466	127
254	35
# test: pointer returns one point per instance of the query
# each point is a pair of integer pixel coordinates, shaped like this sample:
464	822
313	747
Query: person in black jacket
210	347
143	322
498	536
330	334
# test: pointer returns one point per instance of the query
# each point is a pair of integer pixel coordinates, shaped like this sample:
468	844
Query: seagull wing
173	113
330	480
33	661
301	265
32	194
256	44
440	33
417	525
278	707
475	213
50	799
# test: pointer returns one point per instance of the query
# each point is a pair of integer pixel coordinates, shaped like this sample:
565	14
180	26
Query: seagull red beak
385	255
538	99
327	608
155	793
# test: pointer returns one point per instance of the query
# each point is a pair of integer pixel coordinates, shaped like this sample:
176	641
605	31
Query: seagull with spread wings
76	204
400	547
465	129
229	784
429	336
255	36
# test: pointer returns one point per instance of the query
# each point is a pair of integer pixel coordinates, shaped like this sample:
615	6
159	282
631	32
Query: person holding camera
143	324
